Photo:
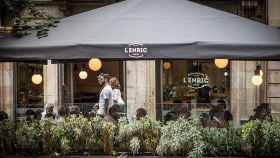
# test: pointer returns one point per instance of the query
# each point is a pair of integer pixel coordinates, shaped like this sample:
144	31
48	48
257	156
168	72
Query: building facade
156	86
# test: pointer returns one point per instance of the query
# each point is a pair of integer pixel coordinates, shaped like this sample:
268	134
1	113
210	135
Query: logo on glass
196	80
136	50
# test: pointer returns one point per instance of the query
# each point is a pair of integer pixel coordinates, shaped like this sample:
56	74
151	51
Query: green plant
134	145
49	136
181	137
271	134
95	139
109	131
33	19
252	137
146	130
222	141
76	134
6	136
28	136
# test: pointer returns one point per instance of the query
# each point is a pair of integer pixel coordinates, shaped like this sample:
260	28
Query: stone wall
273	86
244	95
274	12
140	82
273	67
7	97
51	84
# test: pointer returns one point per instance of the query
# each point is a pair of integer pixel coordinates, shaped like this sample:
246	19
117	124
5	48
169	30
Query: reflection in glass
196	89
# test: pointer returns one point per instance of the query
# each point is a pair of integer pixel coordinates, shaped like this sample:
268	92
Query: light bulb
226	74
37	79
166	65
257	80
95	64
83	75
221	63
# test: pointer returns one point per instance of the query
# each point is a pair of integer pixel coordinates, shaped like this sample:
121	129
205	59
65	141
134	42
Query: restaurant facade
159	86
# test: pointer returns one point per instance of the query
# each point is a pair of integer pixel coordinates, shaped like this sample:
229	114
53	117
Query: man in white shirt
106	95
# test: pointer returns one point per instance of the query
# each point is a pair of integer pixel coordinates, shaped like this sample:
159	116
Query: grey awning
150	29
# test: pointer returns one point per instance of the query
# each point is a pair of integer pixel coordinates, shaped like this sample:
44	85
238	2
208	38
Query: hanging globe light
221	63
166	65
83	75
257	79
95	64
37	79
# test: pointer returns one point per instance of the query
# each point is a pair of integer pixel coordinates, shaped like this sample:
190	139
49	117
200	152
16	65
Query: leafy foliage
37	20
6	136
77	134
271	134
222	141
74	134
28	136
252	136
145	130
134	145
181	137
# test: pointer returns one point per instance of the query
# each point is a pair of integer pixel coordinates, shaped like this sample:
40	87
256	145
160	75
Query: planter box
18	156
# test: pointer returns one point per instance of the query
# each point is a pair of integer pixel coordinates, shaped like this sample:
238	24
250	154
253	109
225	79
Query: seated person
30	114
3	116
74	110
184	112
219	115
113	115
204	94
140	113
38	115
170	116
62	112
262	112
204	119
228	116
218	110
50	112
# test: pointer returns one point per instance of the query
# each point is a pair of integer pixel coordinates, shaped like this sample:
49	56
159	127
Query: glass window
84	93
29	89
194	88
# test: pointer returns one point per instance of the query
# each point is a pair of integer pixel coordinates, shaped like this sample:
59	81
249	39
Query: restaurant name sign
136	50
196	80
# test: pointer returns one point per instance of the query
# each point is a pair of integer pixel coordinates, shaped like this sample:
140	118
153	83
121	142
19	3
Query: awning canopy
149	29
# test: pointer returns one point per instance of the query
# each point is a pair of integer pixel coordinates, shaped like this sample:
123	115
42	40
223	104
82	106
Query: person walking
117	96
106	95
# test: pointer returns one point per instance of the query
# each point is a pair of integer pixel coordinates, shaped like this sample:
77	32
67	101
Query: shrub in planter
252	137
109	131
6	136
271	135
76	135
181	138
78	132
222	141
134	145
95	142
140	136
73	135
47	136
28	137
55	137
